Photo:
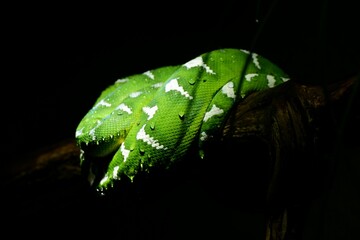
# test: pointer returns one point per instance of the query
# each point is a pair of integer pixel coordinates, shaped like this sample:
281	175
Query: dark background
58	57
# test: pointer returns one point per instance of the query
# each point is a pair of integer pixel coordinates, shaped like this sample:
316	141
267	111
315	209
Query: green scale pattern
152	119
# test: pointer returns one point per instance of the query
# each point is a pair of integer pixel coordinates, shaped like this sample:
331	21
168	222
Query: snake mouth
103	147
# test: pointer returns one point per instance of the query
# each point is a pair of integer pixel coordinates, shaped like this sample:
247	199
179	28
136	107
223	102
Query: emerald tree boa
152	119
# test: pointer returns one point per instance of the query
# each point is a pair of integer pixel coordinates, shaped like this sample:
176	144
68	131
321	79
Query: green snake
152	119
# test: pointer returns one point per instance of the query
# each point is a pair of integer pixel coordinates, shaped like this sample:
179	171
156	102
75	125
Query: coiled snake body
152	119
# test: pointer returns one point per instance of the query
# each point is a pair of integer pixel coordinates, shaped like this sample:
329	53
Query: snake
153	118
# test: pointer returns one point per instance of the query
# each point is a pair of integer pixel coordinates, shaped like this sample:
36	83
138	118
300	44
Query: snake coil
152	119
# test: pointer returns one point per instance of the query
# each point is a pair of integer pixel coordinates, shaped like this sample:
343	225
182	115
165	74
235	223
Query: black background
58	57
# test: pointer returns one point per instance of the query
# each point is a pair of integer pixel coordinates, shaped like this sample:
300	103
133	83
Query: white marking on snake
198	62
135	94
256	60
79	132
115	172
92	131
213	111
124	108
157	85
203	136
149	74
150	111
228	90
103	103
285	79
124	151
249	76
103	180
271	81
122	80
142	135
174	85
